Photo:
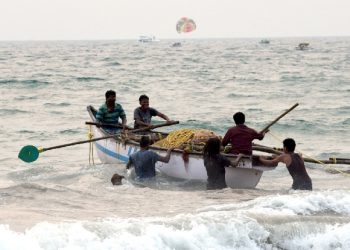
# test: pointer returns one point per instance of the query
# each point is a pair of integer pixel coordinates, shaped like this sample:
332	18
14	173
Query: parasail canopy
185	25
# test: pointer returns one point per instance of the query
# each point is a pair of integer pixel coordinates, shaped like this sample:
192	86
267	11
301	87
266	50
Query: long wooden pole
30	153
76	143
107	125
276	151
110	136
278	118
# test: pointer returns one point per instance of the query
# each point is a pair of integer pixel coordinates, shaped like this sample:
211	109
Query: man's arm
163	116
167	157
122	115
259	136
226	138
141	123
124	121
129	164
280	158
235	163
100	115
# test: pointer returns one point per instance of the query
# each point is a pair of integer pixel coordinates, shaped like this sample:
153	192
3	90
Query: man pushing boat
144	160
294	163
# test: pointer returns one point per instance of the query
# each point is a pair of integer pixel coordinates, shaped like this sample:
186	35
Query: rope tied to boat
91	146
334	159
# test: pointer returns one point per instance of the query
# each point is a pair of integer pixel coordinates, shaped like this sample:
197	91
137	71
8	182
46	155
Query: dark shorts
302	184
216	184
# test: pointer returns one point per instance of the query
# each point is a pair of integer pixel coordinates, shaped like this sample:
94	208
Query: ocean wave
231	95
346	122
22	98
71	131
30	82
23	188
11	112
26	131
89	79
219	230
62	104
294	78
113	64
299	220
296	203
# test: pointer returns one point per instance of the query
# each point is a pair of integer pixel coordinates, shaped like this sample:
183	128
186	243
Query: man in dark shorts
144	113
241	136
294	163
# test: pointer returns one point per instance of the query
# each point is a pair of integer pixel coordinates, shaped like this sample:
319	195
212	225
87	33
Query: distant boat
264	41
177	44
148	39
302	46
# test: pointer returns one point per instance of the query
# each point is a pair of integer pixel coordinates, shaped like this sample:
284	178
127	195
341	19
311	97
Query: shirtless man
294	163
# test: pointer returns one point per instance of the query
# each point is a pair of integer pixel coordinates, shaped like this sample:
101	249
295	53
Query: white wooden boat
115	150
303	46
264	41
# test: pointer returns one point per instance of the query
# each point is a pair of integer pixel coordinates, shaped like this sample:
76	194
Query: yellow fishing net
186	138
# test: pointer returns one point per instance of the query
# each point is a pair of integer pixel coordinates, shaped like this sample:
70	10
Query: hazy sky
118	19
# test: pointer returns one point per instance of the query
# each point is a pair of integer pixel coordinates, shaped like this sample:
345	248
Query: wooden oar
330	161
30	153
277	151
276	120
267	149
339	160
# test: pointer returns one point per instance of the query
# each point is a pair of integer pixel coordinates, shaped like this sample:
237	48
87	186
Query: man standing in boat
241	136
144	113
294	163
110	112
144	161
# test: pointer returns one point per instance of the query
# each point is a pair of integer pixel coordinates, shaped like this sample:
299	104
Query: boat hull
115	150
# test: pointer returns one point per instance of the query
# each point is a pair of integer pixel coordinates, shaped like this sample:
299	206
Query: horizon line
172	38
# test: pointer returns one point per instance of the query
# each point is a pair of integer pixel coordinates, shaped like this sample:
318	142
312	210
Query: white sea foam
295	203
207	230
264	223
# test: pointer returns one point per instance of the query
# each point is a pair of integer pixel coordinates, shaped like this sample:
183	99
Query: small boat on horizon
177	44
303	46
264	41
148	39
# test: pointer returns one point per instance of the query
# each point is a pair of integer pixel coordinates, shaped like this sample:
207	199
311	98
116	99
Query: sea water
61	201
